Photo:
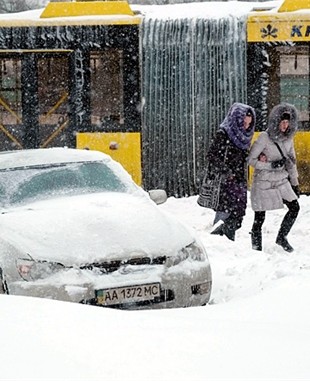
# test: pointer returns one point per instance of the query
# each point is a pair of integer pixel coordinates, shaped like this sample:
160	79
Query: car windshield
19	185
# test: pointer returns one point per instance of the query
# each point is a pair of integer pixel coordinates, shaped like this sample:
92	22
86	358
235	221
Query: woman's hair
285	116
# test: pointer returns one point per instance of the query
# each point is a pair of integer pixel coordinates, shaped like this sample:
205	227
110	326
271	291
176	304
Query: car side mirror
159	196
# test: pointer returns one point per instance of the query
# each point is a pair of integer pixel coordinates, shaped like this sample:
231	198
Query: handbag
209	192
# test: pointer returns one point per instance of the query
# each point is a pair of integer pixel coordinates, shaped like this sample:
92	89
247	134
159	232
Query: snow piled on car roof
57	155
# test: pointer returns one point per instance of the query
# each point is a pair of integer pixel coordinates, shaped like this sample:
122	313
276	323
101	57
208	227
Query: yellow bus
70	76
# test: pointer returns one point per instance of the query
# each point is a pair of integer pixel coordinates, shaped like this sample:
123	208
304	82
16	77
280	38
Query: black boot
229	231
287	223
229	227
231	224
283	242
256	238
218	230
223	229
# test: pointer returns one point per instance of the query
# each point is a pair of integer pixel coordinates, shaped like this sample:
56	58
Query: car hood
90	228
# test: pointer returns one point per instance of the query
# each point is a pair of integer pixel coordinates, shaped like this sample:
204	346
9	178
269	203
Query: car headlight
31	270
192	251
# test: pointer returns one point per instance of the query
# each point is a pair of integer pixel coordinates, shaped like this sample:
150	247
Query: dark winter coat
227	156
270	185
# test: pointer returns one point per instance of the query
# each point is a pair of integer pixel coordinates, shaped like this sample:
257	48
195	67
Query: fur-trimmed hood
274	120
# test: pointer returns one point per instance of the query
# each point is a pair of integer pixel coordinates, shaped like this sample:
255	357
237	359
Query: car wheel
3	284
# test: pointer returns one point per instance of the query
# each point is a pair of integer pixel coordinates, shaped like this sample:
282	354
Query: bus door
109	131
34	93
53	100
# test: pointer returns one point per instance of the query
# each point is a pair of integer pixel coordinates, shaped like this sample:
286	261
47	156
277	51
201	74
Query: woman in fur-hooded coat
227	156
275	180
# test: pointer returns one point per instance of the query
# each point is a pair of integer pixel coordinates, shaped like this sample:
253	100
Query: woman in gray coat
275	180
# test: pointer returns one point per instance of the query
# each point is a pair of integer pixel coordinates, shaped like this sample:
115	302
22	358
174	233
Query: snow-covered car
75	227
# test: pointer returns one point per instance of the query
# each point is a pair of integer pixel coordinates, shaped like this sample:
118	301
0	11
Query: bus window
10	91
294	80
10	104
107	96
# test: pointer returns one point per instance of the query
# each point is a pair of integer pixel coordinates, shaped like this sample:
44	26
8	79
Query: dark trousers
288	220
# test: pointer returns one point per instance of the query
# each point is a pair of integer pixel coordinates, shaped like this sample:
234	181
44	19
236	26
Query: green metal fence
193	70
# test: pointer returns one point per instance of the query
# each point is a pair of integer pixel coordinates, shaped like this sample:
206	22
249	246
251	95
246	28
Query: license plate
128	294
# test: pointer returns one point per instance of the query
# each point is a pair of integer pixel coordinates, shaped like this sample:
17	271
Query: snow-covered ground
257	326
249	272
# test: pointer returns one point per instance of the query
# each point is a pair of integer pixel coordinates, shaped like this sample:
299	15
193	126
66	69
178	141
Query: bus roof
74	13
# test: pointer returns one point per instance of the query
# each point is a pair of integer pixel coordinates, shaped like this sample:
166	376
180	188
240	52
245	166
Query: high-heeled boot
256	239
285	228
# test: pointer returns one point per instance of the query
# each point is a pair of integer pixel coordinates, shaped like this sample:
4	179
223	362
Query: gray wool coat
270	186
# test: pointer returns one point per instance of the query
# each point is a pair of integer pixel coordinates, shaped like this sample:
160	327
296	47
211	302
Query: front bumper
180	286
